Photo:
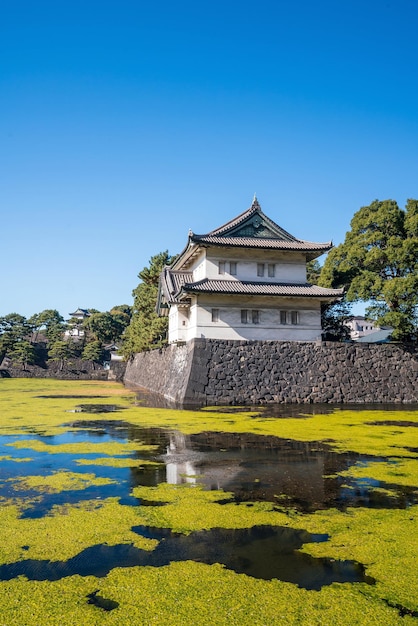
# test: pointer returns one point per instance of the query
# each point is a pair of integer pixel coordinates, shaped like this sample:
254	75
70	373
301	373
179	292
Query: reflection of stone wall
213	371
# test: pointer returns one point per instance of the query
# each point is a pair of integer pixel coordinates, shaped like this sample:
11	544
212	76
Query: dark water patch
374	494
261	552
400	423
98	408
100	602
402	610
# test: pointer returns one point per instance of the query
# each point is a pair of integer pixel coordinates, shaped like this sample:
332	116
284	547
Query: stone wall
77	369
165	371
117	371
211	372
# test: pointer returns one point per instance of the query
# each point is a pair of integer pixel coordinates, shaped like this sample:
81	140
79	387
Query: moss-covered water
80	488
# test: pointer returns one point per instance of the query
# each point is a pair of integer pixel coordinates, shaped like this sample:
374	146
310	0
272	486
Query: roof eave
316	250
190	251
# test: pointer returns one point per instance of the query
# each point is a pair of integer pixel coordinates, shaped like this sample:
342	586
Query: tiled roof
252	229
253	242
172	281
260	288
380	336
255	208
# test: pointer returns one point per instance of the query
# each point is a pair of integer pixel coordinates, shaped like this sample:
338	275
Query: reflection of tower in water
178	468
259	468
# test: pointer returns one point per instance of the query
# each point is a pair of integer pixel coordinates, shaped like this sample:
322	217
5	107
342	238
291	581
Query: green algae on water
185	593
58	482
117	462
110	448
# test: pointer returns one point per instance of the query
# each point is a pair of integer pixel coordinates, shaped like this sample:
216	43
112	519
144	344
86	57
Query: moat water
248	467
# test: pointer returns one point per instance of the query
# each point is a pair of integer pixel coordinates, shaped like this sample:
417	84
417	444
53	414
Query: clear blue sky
125	123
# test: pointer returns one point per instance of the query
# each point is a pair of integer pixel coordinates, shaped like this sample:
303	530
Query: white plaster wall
356	323
173	330
230	326
183	322
198	266
290	267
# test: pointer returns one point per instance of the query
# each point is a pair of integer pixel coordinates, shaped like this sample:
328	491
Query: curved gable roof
250	229
251	223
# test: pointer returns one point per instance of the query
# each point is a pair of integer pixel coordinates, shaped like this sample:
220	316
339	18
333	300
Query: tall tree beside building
378	263
147	330
313	271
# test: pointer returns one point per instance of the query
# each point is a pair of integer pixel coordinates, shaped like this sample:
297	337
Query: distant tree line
46	336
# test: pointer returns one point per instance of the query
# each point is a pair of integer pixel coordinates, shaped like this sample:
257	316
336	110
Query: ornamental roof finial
255	202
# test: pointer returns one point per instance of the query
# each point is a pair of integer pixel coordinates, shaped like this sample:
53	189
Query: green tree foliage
13	329
50	322
62	351
93	351
23	352
313	271
147	330
122	315
378	263
333	321
107	327
123	310
99	327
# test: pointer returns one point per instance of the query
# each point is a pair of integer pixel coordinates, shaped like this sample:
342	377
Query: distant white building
79	315
244	280
360	327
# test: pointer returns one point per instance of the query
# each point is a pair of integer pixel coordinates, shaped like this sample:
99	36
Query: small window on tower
244	316
221	267
233	268
256	317
283	317
271	270
260	269
295	317
215	315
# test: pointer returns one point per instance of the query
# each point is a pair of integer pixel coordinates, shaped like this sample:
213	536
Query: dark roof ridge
254	208
239	219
